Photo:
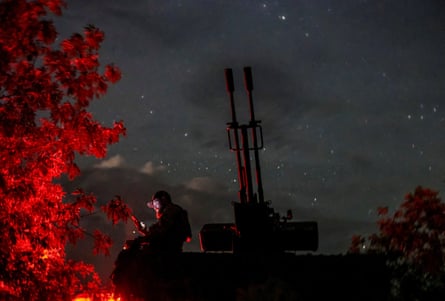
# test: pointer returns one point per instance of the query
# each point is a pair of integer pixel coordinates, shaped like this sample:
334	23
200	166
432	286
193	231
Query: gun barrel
254	124
234	126
248	82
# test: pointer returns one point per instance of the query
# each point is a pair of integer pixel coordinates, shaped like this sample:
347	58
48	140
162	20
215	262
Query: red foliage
102	243
117	210
44	94
112	74
415	232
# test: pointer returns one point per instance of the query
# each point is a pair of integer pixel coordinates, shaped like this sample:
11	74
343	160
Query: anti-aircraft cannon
257	227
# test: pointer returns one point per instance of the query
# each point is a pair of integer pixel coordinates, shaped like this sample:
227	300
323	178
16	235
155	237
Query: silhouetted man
162	239
172	228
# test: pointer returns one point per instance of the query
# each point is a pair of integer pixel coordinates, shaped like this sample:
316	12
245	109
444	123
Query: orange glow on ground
97	297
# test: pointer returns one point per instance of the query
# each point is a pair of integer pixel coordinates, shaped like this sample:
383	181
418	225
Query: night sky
350	94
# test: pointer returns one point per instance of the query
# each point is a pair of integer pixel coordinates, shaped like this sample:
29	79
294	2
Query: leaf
102	243
55	6
47	32
67	46
112	73
73	171
93	36
84	200
116	210
382	211
356	244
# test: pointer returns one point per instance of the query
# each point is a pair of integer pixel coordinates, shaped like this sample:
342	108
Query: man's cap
162	196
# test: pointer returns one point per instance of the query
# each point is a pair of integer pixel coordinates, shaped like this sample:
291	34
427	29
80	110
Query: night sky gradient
350	93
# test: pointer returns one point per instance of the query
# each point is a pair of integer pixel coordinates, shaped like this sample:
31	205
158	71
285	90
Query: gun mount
257	227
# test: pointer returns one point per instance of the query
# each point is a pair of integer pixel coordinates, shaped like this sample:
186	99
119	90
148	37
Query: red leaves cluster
102	243
117	210
112	73
45	90
415	232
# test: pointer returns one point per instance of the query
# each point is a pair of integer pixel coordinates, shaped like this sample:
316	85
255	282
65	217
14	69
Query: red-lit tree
413	238
45	90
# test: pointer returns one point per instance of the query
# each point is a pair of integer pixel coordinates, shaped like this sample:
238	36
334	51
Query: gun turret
257	227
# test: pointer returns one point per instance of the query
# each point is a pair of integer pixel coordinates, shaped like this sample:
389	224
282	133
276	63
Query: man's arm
165	224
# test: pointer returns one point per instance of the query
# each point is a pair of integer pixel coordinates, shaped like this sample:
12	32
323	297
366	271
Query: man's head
158	201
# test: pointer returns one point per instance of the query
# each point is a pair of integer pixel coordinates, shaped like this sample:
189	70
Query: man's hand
140	226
